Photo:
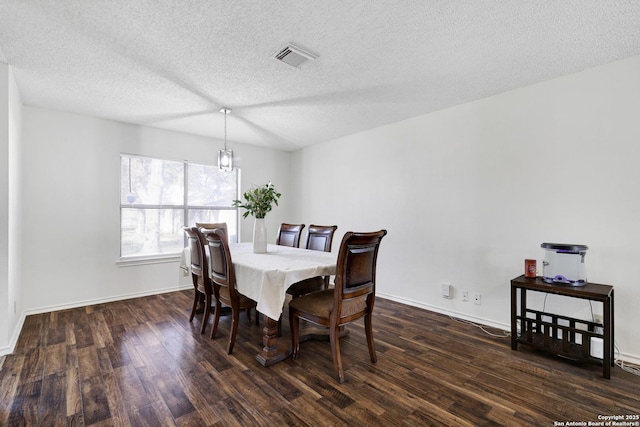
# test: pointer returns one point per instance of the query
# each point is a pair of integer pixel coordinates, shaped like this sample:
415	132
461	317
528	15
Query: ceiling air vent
294	55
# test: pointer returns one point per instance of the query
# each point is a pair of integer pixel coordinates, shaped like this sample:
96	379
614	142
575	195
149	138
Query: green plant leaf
258	201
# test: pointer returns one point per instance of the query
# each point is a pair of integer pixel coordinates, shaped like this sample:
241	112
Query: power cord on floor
503	334
627	367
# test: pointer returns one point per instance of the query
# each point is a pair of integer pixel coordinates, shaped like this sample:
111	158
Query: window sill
144	260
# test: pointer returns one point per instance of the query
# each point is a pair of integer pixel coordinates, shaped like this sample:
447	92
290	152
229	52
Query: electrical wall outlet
465	295
446	290
597	318
476	299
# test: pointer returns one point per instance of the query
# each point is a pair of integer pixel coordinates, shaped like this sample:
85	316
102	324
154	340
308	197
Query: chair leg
334	337
369	331
207	311
196	297
248	311
216	318
294	324
235	315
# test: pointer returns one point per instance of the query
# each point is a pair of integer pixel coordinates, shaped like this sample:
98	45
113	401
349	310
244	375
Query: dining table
265	278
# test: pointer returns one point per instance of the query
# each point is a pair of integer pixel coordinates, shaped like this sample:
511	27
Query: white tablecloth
266	277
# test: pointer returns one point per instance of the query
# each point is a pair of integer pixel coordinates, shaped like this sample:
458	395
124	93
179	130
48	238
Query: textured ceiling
174	63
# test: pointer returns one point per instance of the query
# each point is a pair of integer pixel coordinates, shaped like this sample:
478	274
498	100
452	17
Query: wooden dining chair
199	267
209	225
351	298
319	238
224	284
289	235
213	225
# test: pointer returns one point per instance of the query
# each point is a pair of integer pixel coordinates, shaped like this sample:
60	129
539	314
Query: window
158	197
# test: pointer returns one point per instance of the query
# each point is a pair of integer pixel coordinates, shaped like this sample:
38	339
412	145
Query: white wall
14	294
4	206
71	204
469	192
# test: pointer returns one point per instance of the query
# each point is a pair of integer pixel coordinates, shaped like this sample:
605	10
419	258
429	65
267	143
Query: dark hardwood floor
140	362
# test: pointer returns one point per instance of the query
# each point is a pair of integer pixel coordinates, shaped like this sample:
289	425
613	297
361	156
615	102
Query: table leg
523	314
607	345
613	329
514	321
273	350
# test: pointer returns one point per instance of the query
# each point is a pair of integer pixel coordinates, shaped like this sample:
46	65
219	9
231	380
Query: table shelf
558	347
571	341
561	335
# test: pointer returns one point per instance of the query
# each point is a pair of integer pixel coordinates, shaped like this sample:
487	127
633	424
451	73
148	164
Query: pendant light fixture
225	157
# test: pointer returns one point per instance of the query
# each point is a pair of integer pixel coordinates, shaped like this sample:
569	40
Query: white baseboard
627	358
458	315
121	297
14	338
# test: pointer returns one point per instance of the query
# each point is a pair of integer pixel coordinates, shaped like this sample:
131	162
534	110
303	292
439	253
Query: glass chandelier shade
225	156
225	159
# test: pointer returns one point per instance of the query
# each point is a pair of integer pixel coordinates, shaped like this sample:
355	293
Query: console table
544	331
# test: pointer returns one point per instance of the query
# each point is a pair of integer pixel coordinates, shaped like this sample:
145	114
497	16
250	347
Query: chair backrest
213	225
222	273
320	237
289	235
355	282
196	242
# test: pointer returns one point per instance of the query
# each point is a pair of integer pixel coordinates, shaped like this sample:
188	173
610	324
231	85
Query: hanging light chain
225	157
224	110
